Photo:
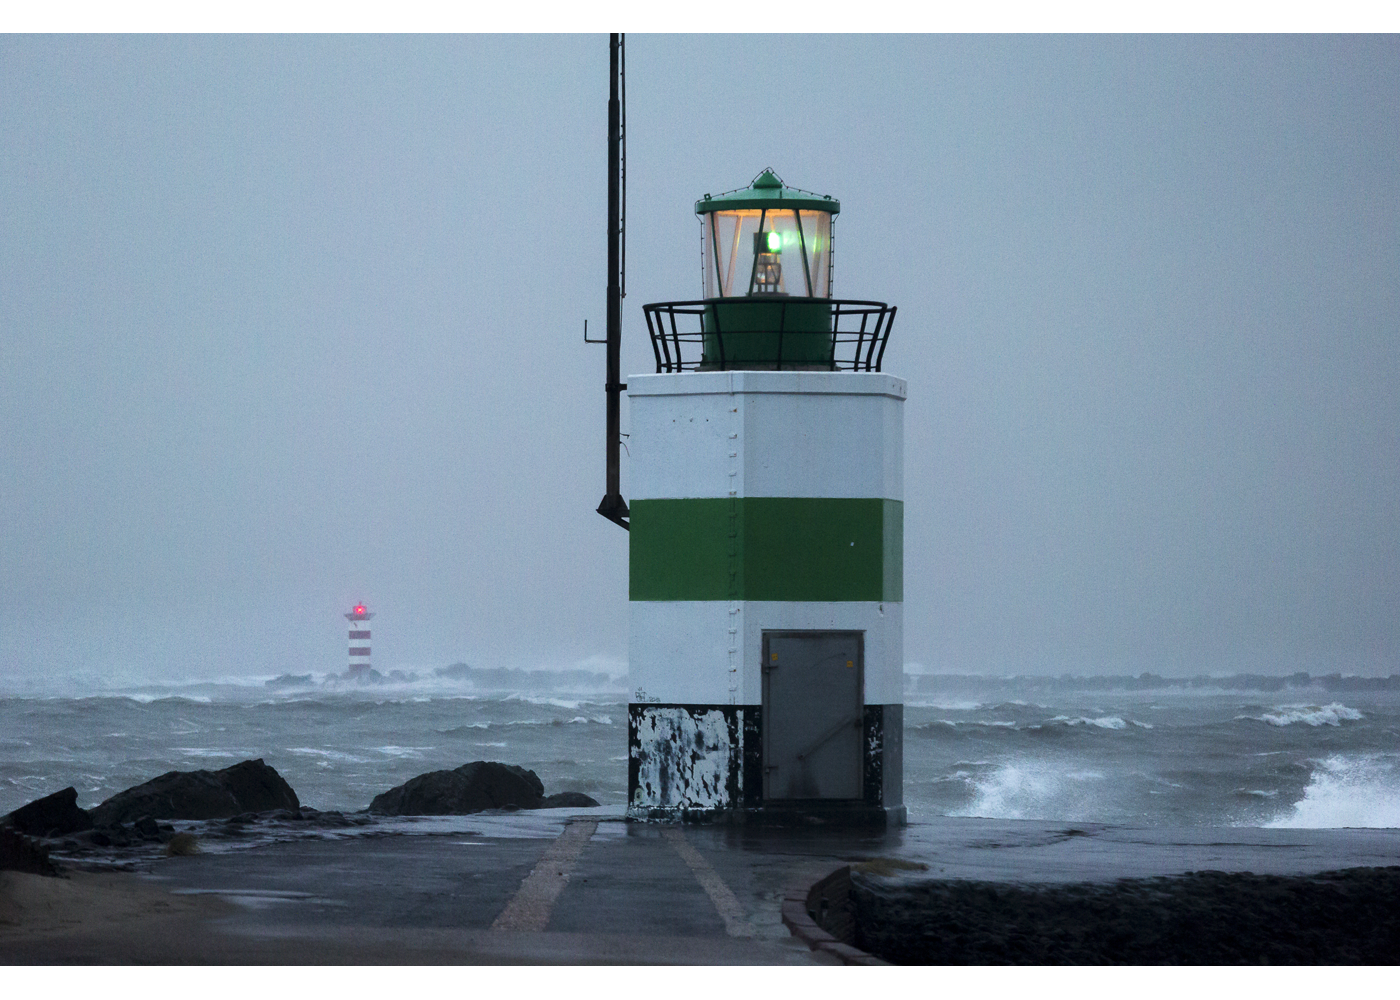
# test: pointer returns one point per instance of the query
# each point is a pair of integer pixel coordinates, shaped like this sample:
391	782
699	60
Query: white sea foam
534	699
992	723
408	752
208	752
327	754
1312	715
947	705
1030	789
146	699
1348	790
1102	722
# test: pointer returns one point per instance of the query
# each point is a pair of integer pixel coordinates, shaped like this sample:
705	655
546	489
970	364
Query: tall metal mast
613	507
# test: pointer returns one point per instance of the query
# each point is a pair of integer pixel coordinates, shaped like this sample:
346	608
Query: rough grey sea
1239	751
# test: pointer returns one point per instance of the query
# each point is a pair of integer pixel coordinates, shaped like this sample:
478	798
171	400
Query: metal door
812	715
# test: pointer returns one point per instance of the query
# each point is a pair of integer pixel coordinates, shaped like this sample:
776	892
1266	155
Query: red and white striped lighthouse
359	641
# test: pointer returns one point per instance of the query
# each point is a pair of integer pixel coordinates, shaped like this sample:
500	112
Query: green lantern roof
767	191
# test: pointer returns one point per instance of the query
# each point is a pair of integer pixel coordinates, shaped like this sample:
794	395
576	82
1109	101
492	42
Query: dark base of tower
836	814
783	815
704	764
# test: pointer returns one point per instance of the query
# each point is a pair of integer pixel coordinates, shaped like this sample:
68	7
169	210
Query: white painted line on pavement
530	908
730	910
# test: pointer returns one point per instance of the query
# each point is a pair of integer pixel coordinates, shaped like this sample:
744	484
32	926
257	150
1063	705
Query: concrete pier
582	887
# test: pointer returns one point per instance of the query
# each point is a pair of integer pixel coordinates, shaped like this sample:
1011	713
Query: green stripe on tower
767	549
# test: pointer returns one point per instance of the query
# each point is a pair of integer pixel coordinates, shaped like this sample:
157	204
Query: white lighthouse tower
766	534
359	617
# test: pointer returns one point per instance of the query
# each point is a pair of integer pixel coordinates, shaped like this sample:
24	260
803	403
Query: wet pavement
613	891
581	887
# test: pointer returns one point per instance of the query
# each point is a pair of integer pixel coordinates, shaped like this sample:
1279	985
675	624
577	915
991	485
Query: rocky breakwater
474	787
140	817
248	800
1345	917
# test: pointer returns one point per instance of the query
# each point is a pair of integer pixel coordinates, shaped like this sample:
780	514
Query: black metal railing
690	336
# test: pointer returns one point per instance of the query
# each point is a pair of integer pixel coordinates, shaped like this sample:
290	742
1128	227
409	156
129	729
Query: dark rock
148	828
24	854
247	786
482	784
106	836
52	816
571	800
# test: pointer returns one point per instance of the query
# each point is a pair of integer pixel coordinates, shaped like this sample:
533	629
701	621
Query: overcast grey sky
291	322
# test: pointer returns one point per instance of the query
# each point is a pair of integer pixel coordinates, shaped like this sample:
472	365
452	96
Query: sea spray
1029	789
1356	790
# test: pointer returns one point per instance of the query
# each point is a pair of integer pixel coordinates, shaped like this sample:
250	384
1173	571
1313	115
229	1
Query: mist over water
1237	751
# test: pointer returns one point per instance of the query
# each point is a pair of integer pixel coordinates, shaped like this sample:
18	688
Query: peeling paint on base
686	761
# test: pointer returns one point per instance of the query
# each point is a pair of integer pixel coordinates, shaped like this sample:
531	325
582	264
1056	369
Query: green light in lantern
775	242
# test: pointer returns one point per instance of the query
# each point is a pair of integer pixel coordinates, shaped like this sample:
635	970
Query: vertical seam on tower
732	446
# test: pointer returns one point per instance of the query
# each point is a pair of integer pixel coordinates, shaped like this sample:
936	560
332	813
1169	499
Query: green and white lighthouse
766	533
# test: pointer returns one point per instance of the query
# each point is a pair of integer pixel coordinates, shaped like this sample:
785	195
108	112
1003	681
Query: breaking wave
1103	722
1035	790
1311	715
1348	790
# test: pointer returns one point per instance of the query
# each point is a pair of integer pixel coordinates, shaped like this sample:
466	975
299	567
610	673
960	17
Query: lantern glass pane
816	234
729	251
